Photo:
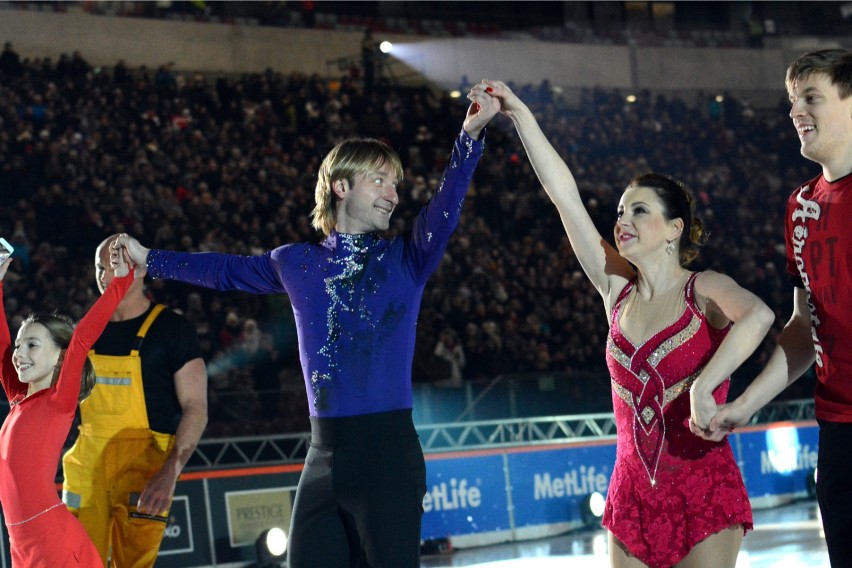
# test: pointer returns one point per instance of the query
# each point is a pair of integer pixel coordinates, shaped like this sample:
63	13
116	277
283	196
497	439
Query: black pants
834	490
360	498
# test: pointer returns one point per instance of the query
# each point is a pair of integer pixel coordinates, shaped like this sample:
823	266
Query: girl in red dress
44	374
673	498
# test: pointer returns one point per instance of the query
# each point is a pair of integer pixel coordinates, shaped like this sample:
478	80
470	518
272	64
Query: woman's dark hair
678	202
61	328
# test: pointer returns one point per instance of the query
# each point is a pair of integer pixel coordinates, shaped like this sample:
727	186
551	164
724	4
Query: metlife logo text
574	482
457	494
789	459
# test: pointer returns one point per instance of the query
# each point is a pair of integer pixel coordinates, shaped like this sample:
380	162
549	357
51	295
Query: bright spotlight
630	98
385	47
592	509
719	98
455	94
271	546
782	448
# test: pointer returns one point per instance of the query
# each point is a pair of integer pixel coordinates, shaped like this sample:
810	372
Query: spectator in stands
10	62
449	349
819	264
675	337
261	357
356	297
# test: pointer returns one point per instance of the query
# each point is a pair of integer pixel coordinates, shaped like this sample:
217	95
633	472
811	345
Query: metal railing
516	432
249	451
447	437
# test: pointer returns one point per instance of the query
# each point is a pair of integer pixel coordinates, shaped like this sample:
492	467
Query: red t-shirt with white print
818	236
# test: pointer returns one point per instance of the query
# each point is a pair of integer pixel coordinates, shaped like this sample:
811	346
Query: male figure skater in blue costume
356	298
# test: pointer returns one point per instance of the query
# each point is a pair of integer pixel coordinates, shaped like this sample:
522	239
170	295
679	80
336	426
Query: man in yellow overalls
136	435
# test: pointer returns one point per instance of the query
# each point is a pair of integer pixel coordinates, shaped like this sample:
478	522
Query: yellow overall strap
143	330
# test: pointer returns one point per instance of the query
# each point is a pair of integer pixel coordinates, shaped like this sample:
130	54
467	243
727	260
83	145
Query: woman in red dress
44	374
675	337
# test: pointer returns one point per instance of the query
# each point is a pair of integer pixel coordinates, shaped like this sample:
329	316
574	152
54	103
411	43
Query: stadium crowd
202	163
679	24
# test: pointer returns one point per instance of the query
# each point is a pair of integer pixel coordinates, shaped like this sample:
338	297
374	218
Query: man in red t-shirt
819	262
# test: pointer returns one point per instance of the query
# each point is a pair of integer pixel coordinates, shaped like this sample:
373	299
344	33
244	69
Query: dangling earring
670	248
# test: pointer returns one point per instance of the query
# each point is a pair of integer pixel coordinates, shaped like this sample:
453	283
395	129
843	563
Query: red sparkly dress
669	489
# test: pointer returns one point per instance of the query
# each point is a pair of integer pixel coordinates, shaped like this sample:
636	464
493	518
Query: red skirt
54	538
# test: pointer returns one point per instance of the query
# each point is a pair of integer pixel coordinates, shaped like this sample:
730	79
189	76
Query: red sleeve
8	376
85	335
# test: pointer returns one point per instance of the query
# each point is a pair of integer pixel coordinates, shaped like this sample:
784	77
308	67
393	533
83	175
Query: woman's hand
483	108
702	410
509	101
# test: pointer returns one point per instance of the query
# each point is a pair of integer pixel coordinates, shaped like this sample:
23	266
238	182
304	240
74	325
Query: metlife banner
776	461
552	485
470	494
476	498
465	496
473	498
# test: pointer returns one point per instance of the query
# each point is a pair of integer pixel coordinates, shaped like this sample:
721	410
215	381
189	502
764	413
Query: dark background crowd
227	163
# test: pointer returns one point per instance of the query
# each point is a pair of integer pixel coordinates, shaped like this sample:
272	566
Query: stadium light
386	47
592	509
271	546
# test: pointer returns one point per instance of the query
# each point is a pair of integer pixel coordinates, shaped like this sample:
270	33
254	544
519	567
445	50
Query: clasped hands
709	420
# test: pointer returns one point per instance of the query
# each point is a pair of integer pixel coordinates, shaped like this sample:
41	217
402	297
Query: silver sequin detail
674	342
679	388
617	354
353	253
671	393
60	504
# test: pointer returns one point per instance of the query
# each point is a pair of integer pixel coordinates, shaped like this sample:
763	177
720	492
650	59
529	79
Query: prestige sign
252	512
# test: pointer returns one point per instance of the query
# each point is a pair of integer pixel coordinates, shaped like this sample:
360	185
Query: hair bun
697	235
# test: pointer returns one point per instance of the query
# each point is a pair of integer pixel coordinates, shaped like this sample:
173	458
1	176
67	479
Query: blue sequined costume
355	297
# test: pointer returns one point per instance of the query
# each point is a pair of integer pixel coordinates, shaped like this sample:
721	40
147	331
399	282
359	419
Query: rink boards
473	497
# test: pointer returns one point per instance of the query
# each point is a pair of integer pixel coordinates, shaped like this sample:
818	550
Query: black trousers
834	490
359	501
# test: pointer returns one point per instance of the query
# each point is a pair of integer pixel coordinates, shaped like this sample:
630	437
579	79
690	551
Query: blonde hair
352	157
